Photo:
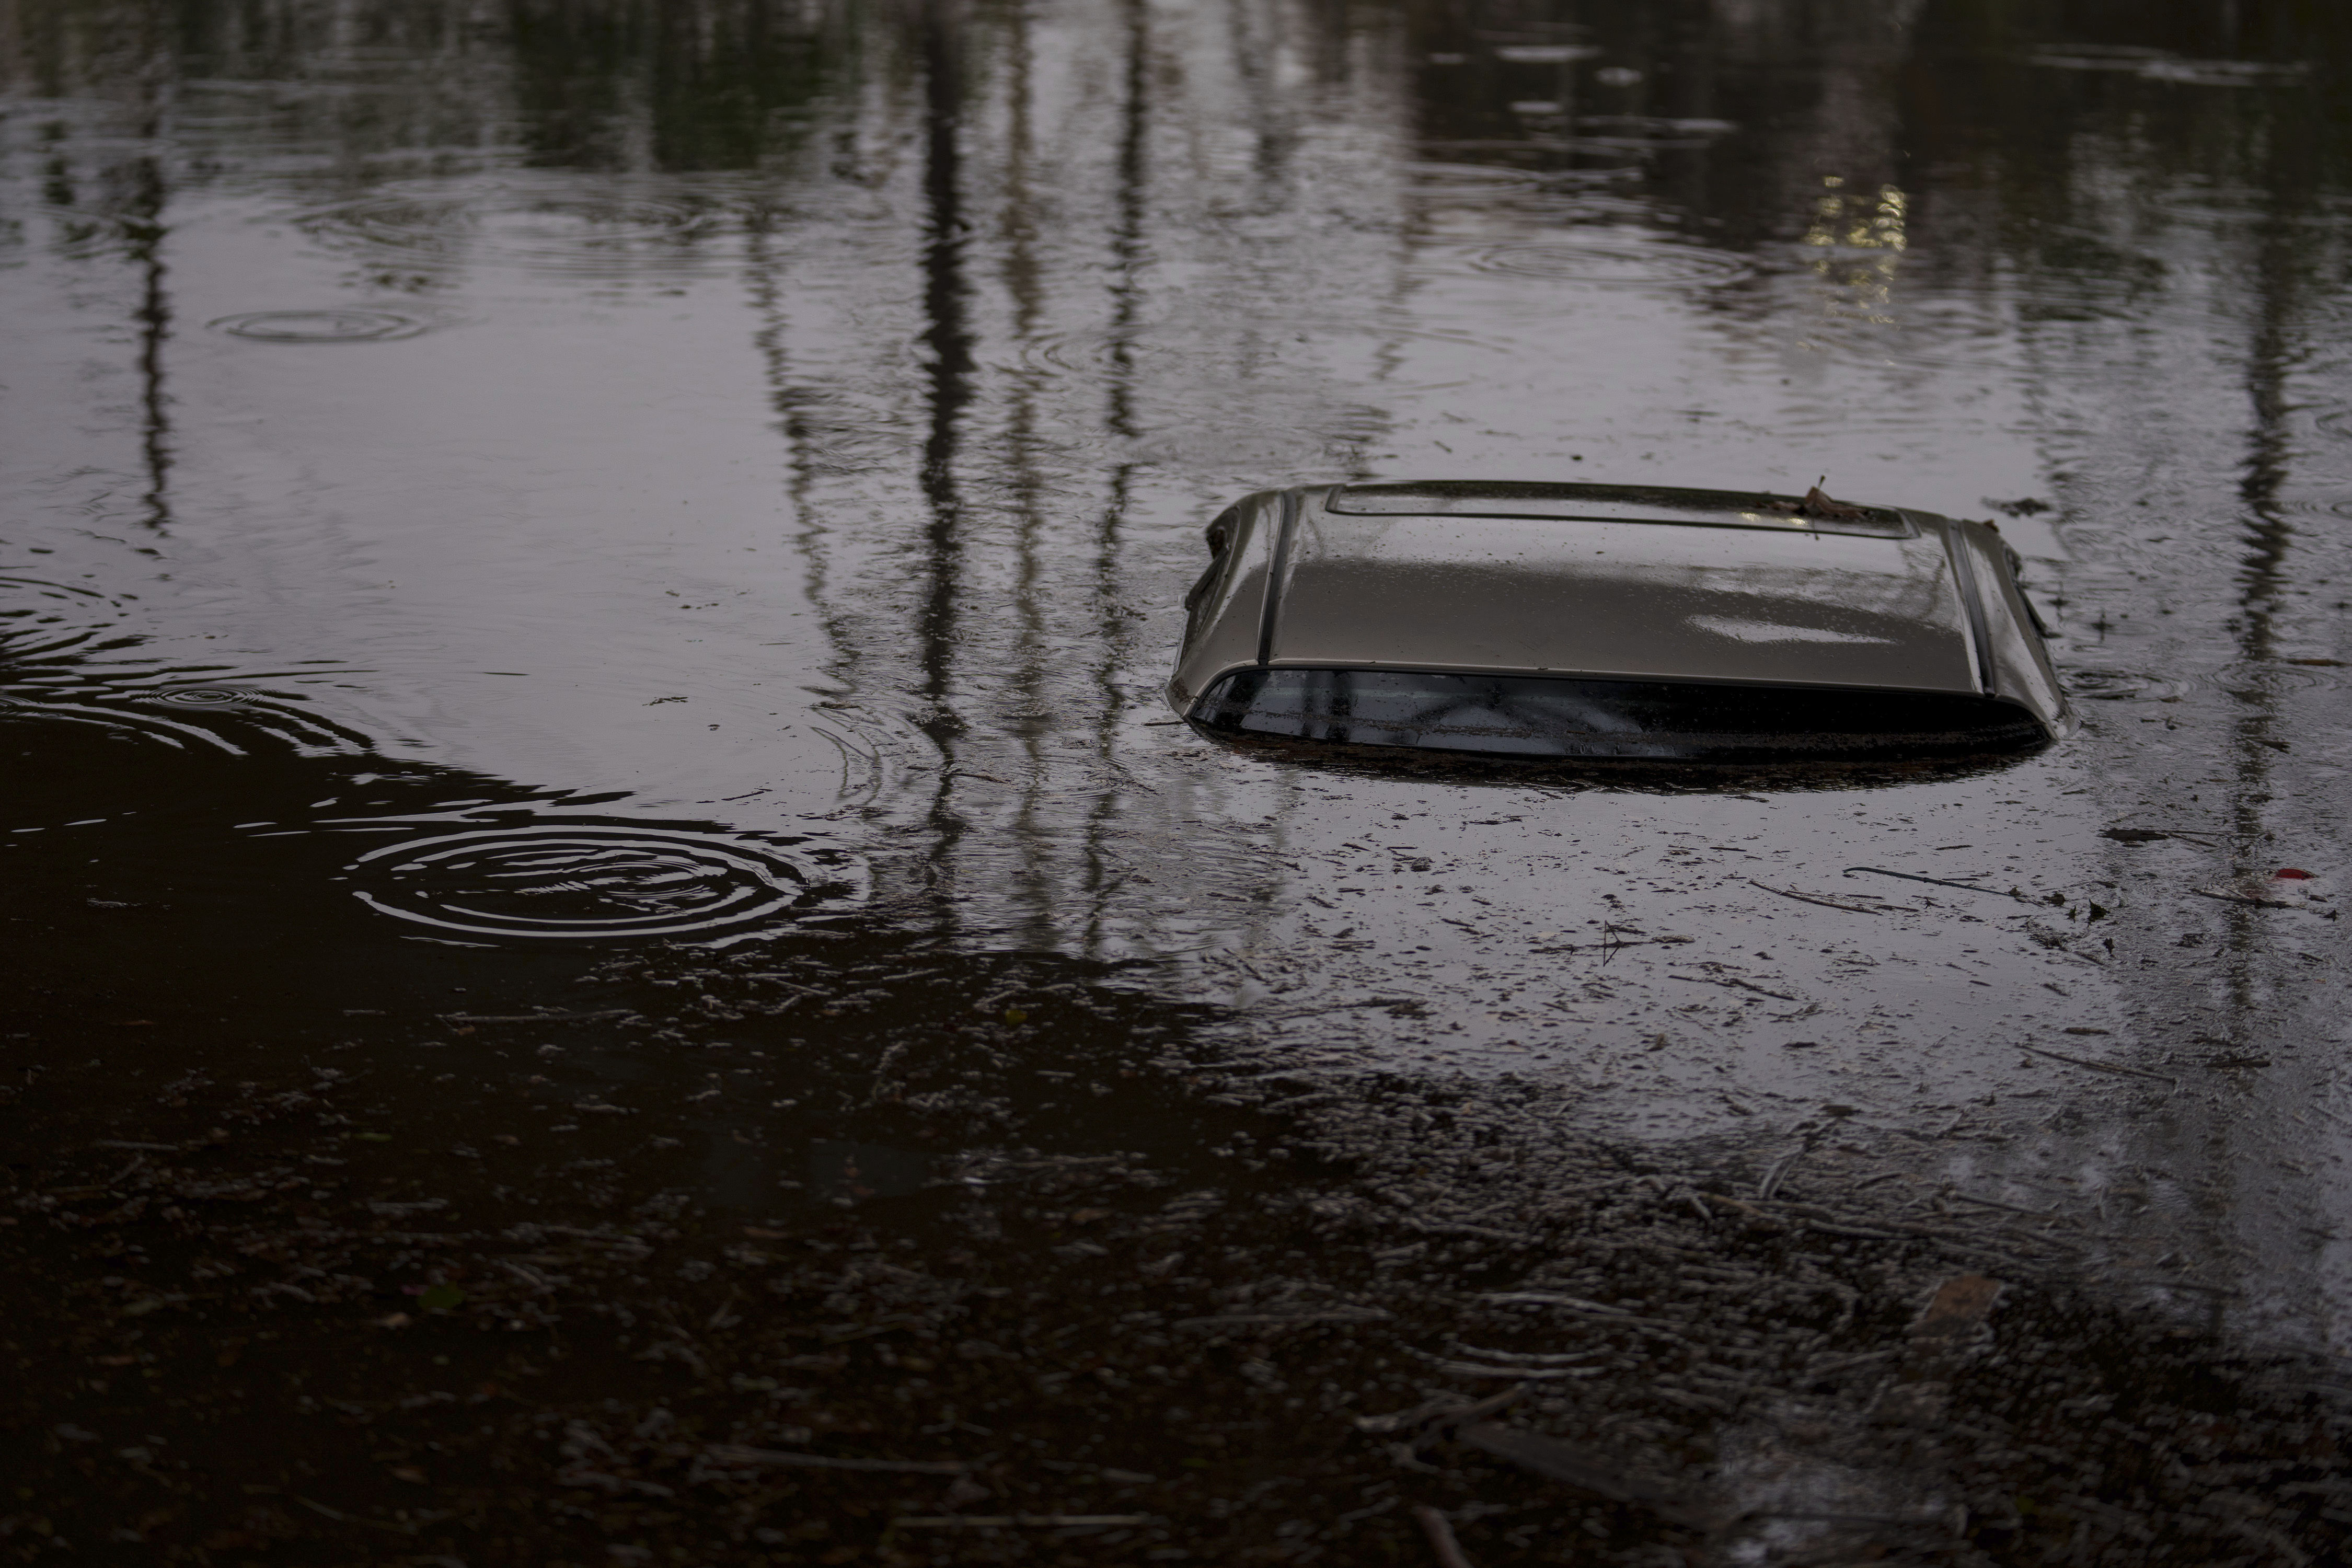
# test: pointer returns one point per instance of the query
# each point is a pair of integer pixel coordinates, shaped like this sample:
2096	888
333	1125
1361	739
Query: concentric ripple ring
204	697
579	880
320	326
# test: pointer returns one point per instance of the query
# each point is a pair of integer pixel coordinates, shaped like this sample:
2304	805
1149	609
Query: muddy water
485	485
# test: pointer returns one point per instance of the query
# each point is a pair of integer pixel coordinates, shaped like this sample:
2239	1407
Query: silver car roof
1616	582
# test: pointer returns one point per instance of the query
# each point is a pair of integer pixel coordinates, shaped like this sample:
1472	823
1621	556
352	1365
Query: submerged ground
481	1086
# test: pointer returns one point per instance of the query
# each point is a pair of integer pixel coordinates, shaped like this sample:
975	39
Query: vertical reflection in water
1126	241
2270	356
1021	273
1687	76
1021	280
948	337
792	402
155	317
1129	254
1389	351
1272	143
143	226
2256	1205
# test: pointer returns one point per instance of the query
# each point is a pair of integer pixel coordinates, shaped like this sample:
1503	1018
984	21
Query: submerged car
1602	621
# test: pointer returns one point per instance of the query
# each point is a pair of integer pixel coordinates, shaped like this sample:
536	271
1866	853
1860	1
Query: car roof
1607	581
1614	581
1615	503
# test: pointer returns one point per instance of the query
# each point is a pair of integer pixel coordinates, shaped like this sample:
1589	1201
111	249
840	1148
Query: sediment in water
1000	1258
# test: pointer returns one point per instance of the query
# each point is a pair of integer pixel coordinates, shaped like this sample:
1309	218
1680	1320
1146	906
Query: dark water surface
432	434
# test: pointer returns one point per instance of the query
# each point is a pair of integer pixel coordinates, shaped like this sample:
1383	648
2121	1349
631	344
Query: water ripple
580	879
237	721
1619	262
320	326
546	225
78	236
1919	340
1470	182
208	696
2120	685
1658	129
1250	357
42	618
2335	422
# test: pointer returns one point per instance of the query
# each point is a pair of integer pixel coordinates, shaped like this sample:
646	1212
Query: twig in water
1349	1007
1285	1319
1596	1310
2248	899
1734	980
1481	1232
1526	1375
2101	1067
1831	903
1773	1177
340	1517
2006	1208
1007	1521
735	1453
1518	1373
2150	835
1559	1461
1440	1530
1531	1358
1445	1410
1938	881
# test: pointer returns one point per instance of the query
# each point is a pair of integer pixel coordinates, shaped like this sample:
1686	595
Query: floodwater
436	434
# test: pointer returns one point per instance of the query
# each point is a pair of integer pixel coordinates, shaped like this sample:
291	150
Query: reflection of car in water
1543	620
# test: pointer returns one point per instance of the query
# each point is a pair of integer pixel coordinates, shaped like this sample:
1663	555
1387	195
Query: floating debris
2289	887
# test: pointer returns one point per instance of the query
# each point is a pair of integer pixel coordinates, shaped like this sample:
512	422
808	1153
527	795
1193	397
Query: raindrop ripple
320	326
205	697
588	879
546	225
230	721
